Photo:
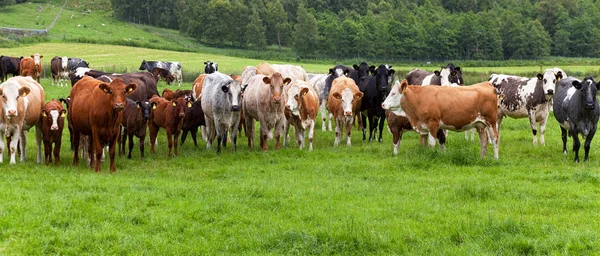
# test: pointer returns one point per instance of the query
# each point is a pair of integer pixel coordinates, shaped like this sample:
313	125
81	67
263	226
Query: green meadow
353	200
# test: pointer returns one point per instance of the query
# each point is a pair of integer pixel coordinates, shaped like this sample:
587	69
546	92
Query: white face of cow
64	62
549	80
392	102
55	115
37	59
234	92
10	94
293	98
339	72
347	98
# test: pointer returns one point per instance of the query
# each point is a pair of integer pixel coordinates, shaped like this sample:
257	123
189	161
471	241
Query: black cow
135	120
75	63
173	67
364	69
375	89
210	67
576	110
9	65
194	118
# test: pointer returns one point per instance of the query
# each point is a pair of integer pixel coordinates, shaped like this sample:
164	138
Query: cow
303	104
335	72
167	114
398	125
344	103
374	88
364	69
286	70
146	84
159	73
576	110
222	104
430	108
134	123
9	65
80	72
173	67
263	101
210	67
96	111
446	76
60	70
52	122
22	99
197	87
522	97
247	73
75	63
194	118
33	66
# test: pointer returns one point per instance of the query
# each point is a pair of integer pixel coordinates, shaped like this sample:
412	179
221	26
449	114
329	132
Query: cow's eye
545	81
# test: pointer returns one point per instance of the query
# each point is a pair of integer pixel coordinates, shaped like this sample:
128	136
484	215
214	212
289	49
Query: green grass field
334	200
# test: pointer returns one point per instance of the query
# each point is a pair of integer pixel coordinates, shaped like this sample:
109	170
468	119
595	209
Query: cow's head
66	101
181	104
210	67
448	77
294	98
588	89
64	62
381	79
169	78
143	66
549	79
10	93
117	90
392	102
233	94
364	69
145	107
276	81
54	114
348	99
391	73
37	59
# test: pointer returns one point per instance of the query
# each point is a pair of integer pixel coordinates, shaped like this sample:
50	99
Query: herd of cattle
106	109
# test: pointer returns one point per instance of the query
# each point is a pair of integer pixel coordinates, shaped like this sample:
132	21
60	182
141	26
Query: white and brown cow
286	70
22	100
59	66
430	108
264	101
522	97
344	103
303	105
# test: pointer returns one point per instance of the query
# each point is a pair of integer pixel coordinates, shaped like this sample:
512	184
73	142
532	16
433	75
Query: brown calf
53	122
344	103
169	115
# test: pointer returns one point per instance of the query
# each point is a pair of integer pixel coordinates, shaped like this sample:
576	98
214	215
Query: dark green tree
255	32
305	32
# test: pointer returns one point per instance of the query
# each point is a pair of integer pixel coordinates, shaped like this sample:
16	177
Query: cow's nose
589	105
12	112
277	99
235	108
383	105
182	114
54	127
550	92
348	113
118	105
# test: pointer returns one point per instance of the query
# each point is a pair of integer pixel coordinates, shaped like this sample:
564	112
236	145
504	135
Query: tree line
405	29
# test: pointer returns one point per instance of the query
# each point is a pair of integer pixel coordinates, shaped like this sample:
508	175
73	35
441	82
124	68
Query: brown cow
134	123
344	103
22	99
167	94
169	115
430	108
96	110
53	122
159	73
263	101
59	67
197	88
34	64
398	126
303	106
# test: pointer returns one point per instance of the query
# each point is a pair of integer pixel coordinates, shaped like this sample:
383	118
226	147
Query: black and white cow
173	67
522	97
75	63
449	75
210	67
375	89
576	110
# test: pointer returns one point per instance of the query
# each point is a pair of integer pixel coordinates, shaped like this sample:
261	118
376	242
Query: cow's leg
13	143
169	141
363	117
563	132
194	133
142	138
2	146
47	151
279	128
112	150
441	137
263	138
493	137
130	145
330	117
586	146
499	124
349	124
250	131
311	135
299	136
96	152
286	132
381	123
372	126
176	140
38	141
433	133
483	140
219	139
22	139
57	146
184	133
576	145
533	124
75	143
338	131
396	137
543	130
153	129
122	139
324	115
234	132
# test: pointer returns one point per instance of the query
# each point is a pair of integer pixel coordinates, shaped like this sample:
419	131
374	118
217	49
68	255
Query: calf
576	110
60	70
221	103
303	105
194	118
430	108
263	101
398	125
344	102
52	122
169	115
96	111
527	97
210	67
9	65
134	123
22	99
159	73
335	72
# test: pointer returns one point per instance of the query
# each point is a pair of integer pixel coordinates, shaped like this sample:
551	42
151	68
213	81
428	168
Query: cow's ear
457	69
576	84
153	104
391	72
63	113
138	104
266	80
598	86
403	85
130	87
355	67
303	91
41	56
347	72
62	100
24	91
331	71
44	113
104	87
559	76
540	76
453	73
287	80
225	88
205	62
31	56
437	73
358	95
337	95
189	104
372	68
174	103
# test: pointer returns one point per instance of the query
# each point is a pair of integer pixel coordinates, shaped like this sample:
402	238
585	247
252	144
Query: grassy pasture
334	200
